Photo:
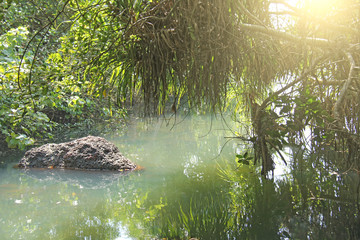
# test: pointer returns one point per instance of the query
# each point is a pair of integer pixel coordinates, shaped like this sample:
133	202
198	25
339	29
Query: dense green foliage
37	98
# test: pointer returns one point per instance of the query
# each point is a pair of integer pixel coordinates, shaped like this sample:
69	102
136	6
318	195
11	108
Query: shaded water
186	190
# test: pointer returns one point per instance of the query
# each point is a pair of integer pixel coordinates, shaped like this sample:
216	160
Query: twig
32	39
344	90
278	151
250	15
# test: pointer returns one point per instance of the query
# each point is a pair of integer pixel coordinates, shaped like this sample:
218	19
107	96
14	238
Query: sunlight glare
318	8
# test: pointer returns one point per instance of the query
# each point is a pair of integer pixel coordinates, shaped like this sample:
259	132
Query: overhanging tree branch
299	79
344	90
316	42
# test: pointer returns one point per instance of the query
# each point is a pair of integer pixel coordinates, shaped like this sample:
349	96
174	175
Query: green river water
191	188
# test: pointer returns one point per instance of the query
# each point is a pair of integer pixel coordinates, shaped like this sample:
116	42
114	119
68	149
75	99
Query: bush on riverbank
35	107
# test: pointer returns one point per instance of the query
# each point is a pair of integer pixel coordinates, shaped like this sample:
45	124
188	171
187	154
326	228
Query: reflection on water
82	179
186	190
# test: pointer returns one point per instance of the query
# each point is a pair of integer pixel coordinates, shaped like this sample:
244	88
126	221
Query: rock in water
83	153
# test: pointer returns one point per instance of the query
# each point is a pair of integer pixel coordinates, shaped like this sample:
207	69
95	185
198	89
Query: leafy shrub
31	109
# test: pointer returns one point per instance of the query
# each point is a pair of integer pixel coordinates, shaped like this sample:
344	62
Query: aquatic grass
205	216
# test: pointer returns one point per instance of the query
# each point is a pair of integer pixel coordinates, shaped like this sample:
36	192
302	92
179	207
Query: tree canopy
292	66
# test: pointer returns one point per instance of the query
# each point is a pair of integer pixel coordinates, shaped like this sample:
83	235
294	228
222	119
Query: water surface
191	187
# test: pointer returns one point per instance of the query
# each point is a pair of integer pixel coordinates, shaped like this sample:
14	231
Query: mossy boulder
88	153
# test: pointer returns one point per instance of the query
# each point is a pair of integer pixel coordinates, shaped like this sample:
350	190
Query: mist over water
37	203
